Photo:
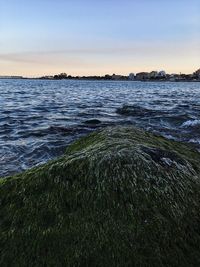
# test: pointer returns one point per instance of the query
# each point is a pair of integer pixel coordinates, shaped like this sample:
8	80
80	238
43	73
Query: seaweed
118	197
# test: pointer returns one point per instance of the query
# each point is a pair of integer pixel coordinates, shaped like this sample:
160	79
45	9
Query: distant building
153	74
116	77
142	76
131	76
172	77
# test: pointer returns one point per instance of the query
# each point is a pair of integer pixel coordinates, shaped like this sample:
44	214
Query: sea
40	118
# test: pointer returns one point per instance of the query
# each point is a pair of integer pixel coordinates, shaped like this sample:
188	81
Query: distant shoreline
97	80
153	76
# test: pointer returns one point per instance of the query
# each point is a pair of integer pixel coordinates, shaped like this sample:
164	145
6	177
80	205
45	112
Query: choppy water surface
38	119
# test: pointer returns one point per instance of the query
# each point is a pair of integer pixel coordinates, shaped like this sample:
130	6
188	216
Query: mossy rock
118	197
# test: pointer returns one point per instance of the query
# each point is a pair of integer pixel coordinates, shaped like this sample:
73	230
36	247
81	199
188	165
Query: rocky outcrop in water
118	197
92	121
128	110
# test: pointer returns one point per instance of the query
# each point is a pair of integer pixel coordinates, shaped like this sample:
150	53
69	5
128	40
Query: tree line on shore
141	76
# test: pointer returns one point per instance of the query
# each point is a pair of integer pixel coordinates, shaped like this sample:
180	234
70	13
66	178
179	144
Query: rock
129	110
132	110
92	121
118	197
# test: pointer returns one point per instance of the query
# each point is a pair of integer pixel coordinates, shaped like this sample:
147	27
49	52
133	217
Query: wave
191	123
195	141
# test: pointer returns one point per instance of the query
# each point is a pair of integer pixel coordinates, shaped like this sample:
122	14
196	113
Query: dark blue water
38	119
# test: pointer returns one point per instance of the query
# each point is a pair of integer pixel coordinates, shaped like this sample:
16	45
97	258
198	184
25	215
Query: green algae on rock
118	197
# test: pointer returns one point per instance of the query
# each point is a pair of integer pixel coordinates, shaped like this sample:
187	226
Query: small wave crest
191	123
195	141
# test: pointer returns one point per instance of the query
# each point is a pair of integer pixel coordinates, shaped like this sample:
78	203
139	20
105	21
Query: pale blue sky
98	37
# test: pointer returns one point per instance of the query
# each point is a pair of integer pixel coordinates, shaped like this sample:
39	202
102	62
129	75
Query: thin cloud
118	58
38	57
132	49
35	56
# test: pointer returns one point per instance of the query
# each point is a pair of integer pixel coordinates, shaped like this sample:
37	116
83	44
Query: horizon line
93	75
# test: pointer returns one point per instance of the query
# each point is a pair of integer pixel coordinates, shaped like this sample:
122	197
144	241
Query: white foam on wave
191	123
195	141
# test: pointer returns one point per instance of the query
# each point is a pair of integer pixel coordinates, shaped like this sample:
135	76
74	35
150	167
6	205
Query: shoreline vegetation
154	76
117	197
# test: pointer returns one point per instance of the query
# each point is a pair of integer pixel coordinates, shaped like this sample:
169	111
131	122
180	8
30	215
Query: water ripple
38	119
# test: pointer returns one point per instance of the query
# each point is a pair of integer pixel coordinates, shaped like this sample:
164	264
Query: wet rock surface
118	197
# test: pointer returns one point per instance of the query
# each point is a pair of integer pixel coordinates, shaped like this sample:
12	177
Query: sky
87	37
